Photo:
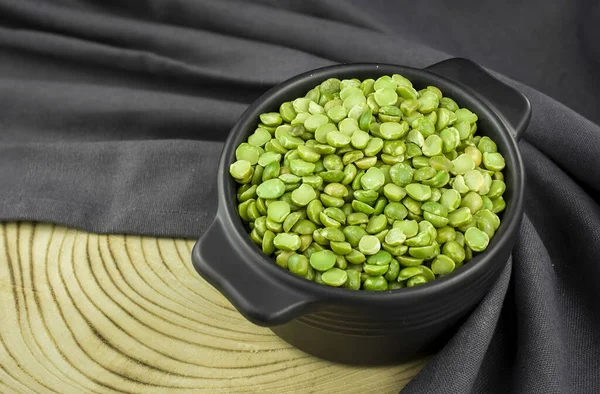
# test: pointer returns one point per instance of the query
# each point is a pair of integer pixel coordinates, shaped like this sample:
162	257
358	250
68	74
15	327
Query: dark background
552	46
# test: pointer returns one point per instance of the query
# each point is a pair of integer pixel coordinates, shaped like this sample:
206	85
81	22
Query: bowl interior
489	124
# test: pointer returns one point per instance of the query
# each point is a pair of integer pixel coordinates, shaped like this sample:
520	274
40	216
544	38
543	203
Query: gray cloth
113	114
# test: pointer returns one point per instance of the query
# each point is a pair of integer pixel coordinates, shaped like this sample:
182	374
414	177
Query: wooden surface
85	313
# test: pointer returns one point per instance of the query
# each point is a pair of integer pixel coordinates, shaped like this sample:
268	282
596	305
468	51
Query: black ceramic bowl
361	327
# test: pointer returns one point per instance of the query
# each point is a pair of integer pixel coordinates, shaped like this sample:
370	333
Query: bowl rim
474	269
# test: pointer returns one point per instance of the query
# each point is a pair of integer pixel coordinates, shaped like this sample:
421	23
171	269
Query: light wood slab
87	313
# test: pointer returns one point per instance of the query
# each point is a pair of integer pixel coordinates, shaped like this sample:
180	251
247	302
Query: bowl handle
233	270
510	104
